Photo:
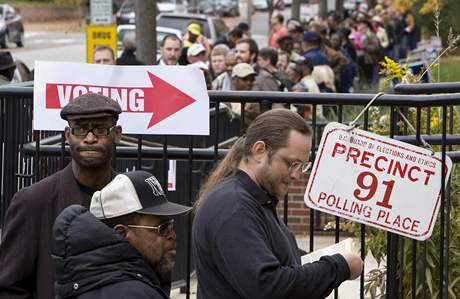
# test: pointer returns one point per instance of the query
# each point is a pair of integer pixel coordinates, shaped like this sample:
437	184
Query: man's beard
165	266
163	269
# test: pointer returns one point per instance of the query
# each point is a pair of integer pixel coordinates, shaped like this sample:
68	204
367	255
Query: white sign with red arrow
154	99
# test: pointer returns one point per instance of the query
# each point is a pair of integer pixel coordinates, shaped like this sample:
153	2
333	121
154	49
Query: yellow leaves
428	6
403	5
392	70
431	6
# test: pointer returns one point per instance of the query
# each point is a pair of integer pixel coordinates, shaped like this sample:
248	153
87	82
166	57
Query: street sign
377	181
154	99
100	36
100	12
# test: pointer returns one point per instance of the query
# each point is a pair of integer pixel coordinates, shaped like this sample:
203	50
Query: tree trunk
146	31
323	8
271	8
295	9
339	7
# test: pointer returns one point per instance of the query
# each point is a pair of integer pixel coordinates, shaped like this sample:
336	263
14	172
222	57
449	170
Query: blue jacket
316	56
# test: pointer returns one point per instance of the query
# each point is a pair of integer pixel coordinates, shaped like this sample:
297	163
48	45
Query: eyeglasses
99	132
163	229
297	165
294	166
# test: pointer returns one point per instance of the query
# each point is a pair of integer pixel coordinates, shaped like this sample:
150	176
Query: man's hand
355	263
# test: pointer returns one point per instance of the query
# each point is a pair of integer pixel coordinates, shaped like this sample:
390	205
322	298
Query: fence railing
27	156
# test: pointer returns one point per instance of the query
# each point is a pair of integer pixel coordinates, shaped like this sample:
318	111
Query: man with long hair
241	248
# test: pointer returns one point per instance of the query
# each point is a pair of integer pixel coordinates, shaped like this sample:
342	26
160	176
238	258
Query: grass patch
449	71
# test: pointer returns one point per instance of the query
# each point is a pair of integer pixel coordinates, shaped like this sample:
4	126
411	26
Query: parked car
214	28
128	31
11	27
260	5
126	13
216	8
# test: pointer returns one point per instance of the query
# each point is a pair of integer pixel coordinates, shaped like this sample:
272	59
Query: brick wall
298	213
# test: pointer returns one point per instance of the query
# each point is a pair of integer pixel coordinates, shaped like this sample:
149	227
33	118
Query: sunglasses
163	229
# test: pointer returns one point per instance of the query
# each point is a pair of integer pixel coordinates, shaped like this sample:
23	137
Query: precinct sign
154	99
377	181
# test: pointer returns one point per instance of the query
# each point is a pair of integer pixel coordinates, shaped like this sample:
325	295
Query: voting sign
377	181
154	99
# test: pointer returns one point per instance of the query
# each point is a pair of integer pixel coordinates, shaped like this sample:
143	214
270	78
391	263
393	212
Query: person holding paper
241	248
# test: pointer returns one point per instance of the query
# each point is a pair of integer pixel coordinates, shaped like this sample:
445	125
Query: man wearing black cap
121	259
7	67
25	261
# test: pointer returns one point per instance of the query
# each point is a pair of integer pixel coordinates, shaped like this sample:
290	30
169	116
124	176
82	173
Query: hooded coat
94	261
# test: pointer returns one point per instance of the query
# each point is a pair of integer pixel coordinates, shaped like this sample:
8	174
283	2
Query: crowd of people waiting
331	55
334	54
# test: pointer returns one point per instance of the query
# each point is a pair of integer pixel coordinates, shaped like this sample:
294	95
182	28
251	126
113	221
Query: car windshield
181	24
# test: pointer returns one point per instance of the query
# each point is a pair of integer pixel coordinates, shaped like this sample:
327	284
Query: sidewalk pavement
348	289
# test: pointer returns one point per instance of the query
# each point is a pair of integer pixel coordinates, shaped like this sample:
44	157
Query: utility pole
146	31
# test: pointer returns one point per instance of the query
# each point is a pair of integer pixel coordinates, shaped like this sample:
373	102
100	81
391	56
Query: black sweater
242	249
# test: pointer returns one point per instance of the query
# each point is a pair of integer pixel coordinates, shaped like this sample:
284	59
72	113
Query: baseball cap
194	29
135	191
377	19
311	37
90	105
242	70
195	49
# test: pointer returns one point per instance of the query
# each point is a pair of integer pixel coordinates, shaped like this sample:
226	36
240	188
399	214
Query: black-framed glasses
98	131
163	229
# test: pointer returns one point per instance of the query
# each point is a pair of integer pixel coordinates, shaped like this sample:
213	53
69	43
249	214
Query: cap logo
155	185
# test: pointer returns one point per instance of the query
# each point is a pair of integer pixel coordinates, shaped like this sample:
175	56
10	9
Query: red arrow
162	99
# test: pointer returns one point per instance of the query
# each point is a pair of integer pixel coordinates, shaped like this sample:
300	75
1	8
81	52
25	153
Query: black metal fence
28	156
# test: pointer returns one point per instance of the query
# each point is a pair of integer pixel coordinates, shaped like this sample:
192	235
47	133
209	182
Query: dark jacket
265	82
247	252
25	255
94	261
316	56
128	58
